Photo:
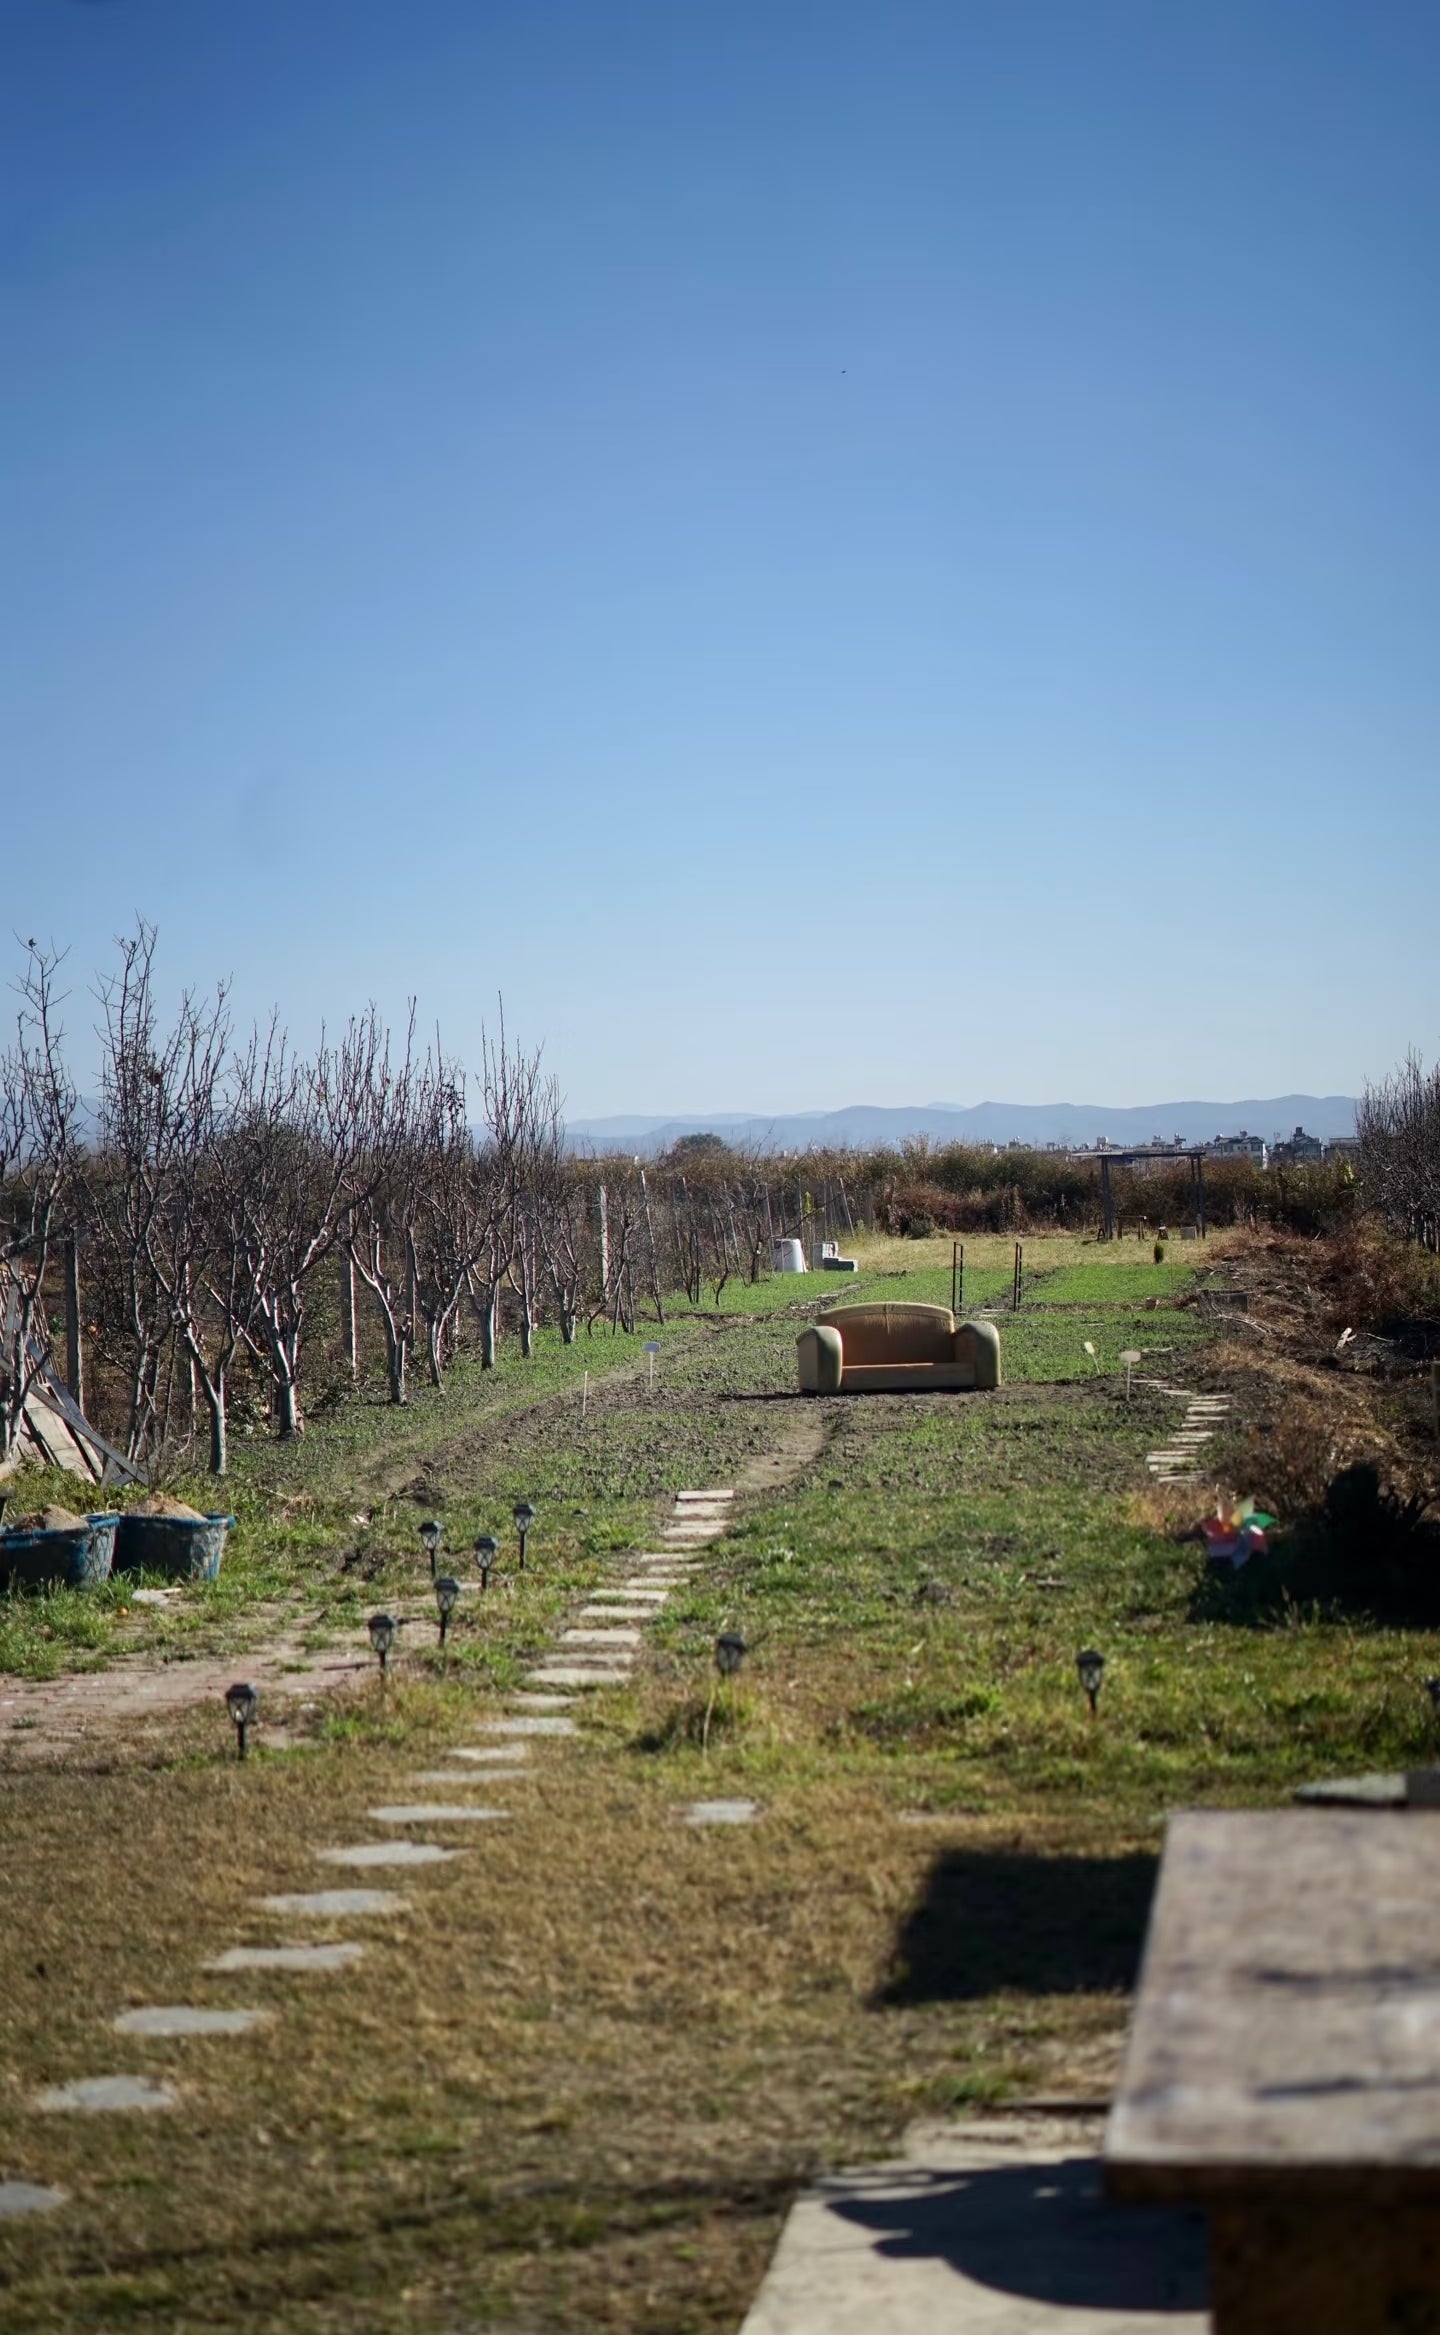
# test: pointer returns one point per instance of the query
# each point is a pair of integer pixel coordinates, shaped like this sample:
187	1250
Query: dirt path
47	1719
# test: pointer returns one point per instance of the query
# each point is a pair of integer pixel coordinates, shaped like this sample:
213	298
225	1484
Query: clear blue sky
831	552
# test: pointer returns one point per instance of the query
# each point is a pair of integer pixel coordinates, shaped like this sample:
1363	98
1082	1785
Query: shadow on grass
1365	1552
996	1921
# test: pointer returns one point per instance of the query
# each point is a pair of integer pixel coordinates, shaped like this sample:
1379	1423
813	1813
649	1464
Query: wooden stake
74	1346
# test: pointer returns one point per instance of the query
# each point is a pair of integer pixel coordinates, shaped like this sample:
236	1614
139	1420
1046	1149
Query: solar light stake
1130	1356
584	1394
382	1628
487	1549
446	1592
240	1702
430	1534
524	1518
652	1348
1091	1667
730	1652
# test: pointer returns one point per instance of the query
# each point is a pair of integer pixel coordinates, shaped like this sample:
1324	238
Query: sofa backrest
893	1333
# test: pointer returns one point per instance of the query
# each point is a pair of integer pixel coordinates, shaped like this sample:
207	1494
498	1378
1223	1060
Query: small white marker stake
652	1348
1130	1357
584	1394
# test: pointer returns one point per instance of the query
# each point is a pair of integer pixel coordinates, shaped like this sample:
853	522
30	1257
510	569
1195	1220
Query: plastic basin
179	1548
72	1556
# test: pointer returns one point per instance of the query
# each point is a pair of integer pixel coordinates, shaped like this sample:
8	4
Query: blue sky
830	553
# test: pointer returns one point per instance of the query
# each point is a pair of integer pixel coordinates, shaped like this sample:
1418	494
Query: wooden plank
1286	2039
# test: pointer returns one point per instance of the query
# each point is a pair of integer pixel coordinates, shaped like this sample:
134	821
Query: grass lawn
578	2078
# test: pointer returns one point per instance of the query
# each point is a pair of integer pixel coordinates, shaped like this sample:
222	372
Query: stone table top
1286	2036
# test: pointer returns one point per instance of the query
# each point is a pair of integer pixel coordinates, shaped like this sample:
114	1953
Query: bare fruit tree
38	1150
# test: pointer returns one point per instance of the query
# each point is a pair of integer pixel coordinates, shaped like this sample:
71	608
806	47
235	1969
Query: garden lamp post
240	1702
446	1593
487	1549
382	1628
524	1518
430	1534
1091	1667
730	1652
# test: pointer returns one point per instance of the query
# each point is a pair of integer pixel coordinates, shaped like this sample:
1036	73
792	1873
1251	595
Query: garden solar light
730	1652
487	1549
524	1518
382	1636
1091	1667
240	1701
446	1592
1432	1688
430	1535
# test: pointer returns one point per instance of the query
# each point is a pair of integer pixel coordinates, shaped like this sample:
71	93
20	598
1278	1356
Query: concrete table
1283	2069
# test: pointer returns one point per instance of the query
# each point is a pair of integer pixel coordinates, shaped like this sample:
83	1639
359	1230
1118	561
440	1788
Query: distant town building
1241	1146
1297	1149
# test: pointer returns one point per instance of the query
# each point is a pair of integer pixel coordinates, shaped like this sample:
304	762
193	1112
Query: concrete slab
337	1904
435	1812
541	1702
622	1613
165	2019
450	1775
300	1958
599	1637
1000	2228
98	2095
709	1492
570	1674
18	2197
722	1812
529	1723
388	1852
604	1600
512	1757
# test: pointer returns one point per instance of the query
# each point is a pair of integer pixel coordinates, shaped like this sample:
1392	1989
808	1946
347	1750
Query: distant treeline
960	1188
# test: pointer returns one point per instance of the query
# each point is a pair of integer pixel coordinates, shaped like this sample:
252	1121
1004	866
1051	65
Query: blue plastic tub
61	1557
179	1548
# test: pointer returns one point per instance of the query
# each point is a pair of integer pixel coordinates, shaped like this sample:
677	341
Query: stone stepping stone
528	1724
388	1852
509	1756
97	2095
567	1675
336	1904
185	2019
17	2197
447	1775
286	1958
622	1613
607	1600
722	1812
435	1812
541	1702
716	1492
599	1637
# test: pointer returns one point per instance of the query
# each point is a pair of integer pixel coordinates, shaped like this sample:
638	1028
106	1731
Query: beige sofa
887	1349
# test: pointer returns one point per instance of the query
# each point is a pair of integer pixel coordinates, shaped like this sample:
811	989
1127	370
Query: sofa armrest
978	1344
821	1356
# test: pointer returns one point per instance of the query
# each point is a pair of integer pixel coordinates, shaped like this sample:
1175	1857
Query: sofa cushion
888	1334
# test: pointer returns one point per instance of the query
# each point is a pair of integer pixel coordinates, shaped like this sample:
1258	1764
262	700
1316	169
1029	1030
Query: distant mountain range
863	1125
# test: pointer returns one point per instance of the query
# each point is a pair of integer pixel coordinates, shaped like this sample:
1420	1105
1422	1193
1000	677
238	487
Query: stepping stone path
184	2019
334	1904
388	1852
285	1958
599	1649
1178	1461
17	2197
435	1812
98	2095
